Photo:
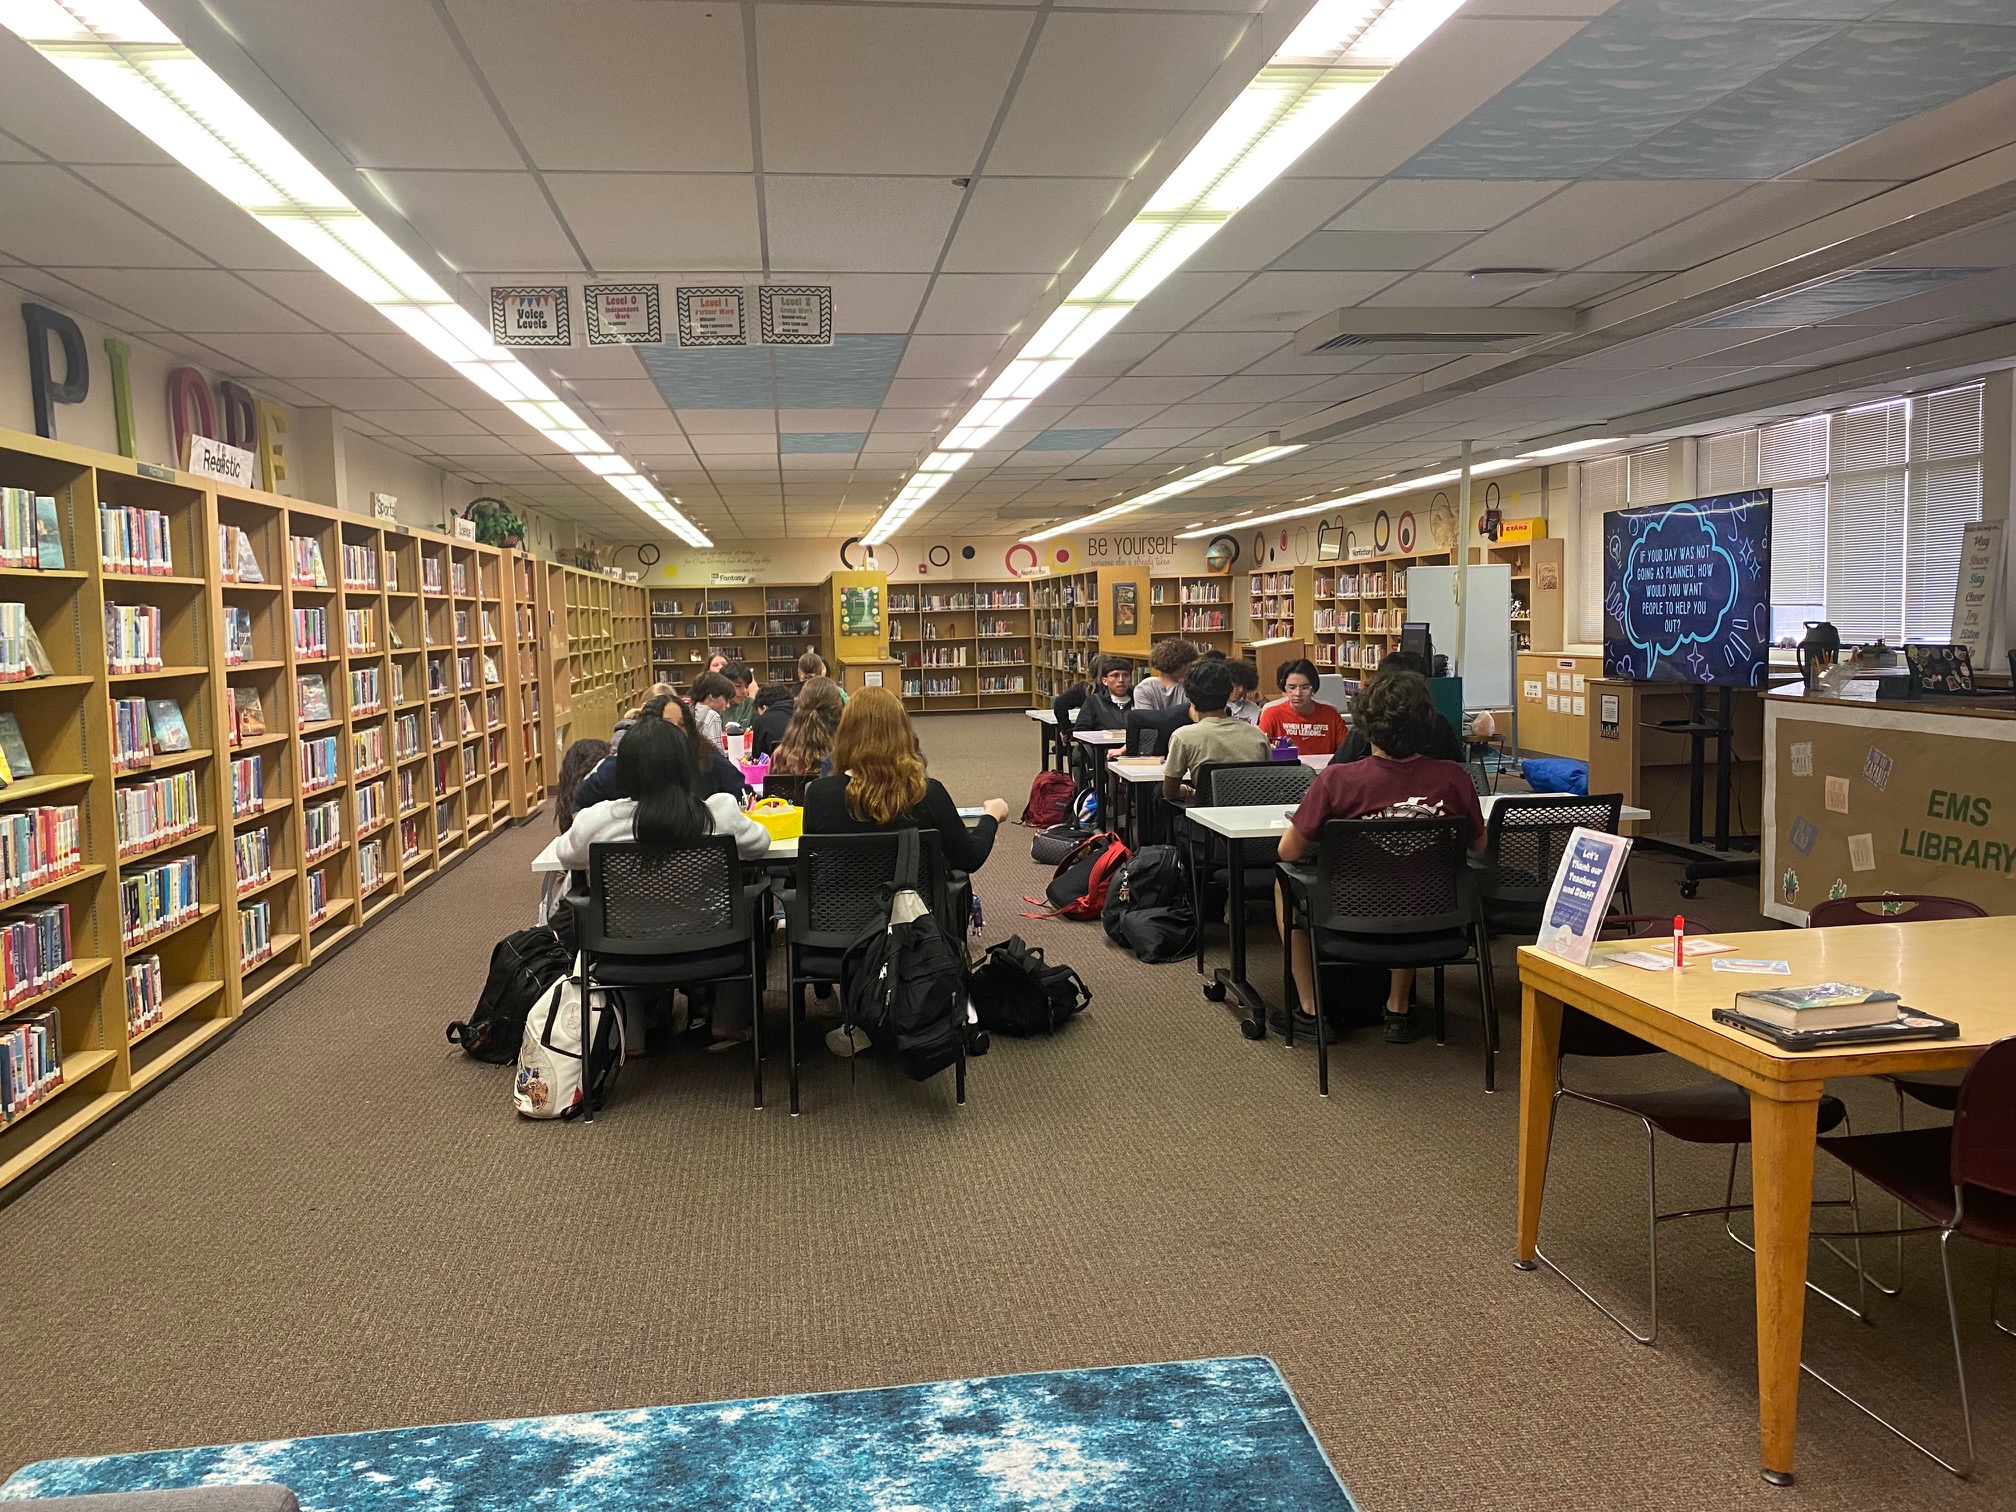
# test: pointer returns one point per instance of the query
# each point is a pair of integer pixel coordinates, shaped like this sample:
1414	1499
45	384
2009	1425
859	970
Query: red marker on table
1679	942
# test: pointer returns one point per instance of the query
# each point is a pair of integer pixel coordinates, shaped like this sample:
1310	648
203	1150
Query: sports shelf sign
712	317
530	316
623	315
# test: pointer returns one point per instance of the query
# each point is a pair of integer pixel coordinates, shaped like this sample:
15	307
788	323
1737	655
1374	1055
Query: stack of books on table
1830	1013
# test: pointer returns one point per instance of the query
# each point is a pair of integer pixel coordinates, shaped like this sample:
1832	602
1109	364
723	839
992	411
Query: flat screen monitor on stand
1687	601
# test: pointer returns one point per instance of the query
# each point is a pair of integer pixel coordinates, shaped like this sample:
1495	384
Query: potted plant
495	524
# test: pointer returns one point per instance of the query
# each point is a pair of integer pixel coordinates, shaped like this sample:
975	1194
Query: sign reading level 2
227	464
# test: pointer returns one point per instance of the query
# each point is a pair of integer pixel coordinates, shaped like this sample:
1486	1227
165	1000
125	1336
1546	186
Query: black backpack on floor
1018	993
904	980
522	967
1148	907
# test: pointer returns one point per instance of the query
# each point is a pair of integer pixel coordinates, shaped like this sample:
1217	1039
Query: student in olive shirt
1213	734
741	709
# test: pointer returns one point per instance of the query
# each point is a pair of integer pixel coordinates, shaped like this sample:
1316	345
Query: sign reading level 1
711	317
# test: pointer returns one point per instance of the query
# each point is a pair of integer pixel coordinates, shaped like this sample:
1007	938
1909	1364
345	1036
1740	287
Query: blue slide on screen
1687	590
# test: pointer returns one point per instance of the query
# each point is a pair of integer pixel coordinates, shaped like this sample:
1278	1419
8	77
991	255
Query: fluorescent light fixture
1362	496
1328	63
127	57
1571	446
1264	449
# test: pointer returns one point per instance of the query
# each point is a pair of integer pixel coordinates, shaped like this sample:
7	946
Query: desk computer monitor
1415	638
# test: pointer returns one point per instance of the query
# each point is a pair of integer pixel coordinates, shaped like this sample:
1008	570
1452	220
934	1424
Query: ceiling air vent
1377	332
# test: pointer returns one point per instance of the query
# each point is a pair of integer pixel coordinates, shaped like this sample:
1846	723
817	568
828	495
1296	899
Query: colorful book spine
133	637
31	1063
248	786
39	846
318	895
17	661
305	568
366	691
360	630
406	735
135	541
320	767
255	934
151	813
367	751
430	575
371	873
146	995
132	735
322	828
157	899
311	634
35	953
252	857
371	807
458	578
360	567
410	839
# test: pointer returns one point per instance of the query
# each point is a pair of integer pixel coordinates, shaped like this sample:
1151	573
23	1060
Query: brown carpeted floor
335	1223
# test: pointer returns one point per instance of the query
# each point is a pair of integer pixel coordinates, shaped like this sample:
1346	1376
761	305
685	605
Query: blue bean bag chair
1556	774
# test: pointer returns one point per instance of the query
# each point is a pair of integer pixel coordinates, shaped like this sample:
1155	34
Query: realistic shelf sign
623	314
215	459
712	316
530	316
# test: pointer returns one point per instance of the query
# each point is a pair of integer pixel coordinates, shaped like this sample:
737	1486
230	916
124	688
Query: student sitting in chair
712	693
774	705
1171	660
1396	781
1212	735
1315	728
713	771
1108	696
741	708
808	740
812	665
1245	702
656	763
1443	745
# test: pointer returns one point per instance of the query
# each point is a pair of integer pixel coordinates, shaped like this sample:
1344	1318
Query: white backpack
549	1083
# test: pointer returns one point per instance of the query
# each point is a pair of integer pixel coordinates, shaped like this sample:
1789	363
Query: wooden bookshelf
963	645
1357	608
374	669
767	628
1538	603
594	658
1197	608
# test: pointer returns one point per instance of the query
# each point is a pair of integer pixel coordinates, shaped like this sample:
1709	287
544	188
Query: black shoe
822	990
1305	1023
978	1041
1401	1029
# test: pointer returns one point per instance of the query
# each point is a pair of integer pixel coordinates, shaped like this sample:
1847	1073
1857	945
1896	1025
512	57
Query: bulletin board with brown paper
1860	800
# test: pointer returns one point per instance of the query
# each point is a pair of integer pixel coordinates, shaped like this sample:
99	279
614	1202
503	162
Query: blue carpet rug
1198	1435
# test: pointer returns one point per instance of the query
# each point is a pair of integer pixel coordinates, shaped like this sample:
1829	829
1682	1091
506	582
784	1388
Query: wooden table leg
1539	1063
1781	1174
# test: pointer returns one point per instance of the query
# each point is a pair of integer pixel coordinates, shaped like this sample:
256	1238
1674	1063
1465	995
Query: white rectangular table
1242	824
1045	721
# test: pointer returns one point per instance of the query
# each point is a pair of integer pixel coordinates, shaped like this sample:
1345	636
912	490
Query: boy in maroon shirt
1395	782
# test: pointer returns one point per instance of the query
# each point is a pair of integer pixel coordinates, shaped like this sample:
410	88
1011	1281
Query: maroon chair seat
1916	1167
1716	1113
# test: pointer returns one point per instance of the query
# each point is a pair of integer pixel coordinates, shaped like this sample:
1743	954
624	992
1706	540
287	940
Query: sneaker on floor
1305	1024
845	1041
1402	1028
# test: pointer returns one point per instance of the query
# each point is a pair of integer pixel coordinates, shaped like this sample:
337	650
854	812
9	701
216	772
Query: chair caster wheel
1689	889
1214	992
1253	1029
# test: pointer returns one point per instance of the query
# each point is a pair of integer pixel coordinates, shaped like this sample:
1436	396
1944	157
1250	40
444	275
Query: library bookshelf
337	738
766	628
1356	608
594	657
963	645
1538	571
1064	624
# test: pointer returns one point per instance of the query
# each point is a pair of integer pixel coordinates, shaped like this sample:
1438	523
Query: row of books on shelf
320	767
146	995
133	637
371	870
248	786
135	540
318	895
31	1063
248	715
143	728
146	814
22	655
1347	654
157	898
237	636
1357	621
987	629
371	805
1363	585
35	953
238	562
360	630
38	846
360	567
305	567
1086	628
255	933
933	687
322	828
311	633
367	751
998	682
367	690
430	577
1004	656
31	533
252	856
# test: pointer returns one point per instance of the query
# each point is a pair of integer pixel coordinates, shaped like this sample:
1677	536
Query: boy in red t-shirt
1394	782
1316	728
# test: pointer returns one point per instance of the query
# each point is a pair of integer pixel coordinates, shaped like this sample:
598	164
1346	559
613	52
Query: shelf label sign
795	314
623	315
531	317
712	317
225	463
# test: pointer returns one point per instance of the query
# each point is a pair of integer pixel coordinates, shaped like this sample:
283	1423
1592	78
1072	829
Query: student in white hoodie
655	762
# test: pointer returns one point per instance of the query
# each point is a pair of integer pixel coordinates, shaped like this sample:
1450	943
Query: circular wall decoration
1220	552
1382	530
1020	559
966	552
1350	543
1063	555
649	554
939	556
1406	530
1259	547
846	546
1301	543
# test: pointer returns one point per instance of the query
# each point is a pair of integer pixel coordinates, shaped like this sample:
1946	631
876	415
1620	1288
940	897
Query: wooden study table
1949	968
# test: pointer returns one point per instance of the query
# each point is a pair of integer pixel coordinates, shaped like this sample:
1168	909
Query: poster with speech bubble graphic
1687	590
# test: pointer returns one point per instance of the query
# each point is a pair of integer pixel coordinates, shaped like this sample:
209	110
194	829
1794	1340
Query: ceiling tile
1286	302
323	302
649	220
397	353
834	99
872	225
1587	220
993	303
300	356
41	106
51	219
188	209
958	358
480	220
374	393
1280	218
599	84
380	78
1421	205
1101	90
1027	225
1352	251
194	301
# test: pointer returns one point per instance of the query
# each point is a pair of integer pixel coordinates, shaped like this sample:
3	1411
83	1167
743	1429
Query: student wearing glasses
1315	728
1108	696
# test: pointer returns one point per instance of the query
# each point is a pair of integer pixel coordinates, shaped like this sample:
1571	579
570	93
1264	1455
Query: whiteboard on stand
1484	661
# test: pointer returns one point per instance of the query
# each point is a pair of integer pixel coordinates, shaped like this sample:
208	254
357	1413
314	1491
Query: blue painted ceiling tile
821	441
1618	83
1861	81
1073	440
853	373
711	377
1752	10
1847	295
1970	12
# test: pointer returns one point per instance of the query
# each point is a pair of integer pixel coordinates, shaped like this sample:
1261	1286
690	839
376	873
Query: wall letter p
43	323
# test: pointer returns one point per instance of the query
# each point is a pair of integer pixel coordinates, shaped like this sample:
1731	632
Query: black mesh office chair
671	916
789	786
1524	838
1233	784
836	896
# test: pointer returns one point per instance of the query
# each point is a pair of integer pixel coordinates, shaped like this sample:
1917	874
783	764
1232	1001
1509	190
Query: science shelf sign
1687	590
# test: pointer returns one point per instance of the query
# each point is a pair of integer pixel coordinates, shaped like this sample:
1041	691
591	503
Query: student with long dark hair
655	762
714	772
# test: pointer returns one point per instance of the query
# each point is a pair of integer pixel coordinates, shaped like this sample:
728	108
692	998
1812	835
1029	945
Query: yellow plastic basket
784	819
